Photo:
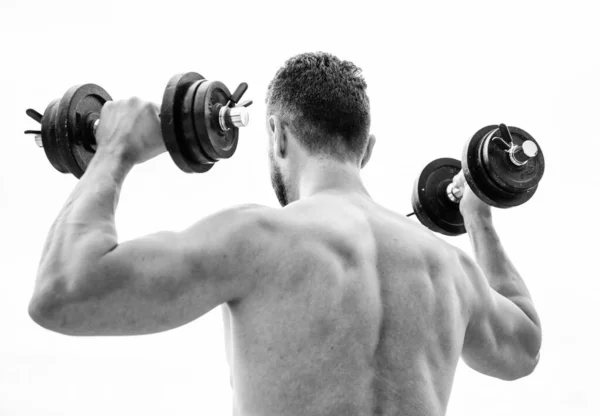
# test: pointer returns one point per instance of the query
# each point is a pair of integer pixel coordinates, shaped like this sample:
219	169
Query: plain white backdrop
437	72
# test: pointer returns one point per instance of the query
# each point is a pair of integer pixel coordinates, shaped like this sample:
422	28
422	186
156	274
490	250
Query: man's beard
277	182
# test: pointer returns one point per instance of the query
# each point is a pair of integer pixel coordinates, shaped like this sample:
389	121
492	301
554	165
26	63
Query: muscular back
359	311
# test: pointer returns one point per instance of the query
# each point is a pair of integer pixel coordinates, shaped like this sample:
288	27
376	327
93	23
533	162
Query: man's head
317	107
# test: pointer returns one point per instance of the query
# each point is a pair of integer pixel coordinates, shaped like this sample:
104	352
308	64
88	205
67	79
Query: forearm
499	270
84	230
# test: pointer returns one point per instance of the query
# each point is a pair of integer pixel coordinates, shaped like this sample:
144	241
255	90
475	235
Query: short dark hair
324	100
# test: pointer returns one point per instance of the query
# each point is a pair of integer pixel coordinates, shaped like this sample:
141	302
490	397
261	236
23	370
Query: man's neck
322	176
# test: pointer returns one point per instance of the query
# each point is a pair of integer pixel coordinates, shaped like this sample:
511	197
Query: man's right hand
471	207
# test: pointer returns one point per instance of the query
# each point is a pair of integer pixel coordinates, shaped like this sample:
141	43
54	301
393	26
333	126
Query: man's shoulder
298	227
235	242
244	221
247	228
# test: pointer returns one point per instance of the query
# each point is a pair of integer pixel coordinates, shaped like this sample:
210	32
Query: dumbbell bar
199	122
502	165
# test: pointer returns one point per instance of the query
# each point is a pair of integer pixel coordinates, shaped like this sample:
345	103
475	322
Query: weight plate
171	115
49	137
216	143
430	202
189	142
484	161
74	135
471	166
507	175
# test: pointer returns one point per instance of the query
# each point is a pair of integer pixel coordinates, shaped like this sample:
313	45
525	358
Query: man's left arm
89	284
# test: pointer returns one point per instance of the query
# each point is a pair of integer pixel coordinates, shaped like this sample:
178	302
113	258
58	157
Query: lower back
361	317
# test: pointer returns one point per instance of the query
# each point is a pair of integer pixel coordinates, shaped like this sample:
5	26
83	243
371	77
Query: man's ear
279	136
368	151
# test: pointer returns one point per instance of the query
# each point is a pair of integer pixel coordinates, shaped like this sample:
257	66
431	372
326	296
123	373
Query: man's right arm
503	337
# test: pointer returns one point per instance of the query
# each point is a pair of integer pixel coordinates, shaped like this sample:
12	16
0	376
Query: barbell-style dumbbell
199	121
502	165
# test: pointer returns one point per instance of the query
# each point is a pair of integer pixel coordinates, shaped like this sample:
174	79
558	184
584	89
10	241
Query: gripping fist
470	205
131	129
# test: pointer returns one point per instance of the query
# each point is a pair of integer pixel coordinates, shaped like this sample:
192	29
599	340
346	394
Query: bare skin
333	305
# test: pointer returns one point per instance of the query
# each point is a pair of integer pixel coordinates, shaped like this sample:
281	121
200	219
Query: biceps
501	342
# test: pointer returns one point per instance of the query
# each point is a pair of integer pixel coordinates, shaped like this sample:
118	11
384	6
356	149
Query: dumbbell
200	121
502	165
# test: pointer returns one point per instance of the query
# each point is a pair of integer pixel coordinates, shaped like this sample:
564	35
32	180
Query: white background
437	72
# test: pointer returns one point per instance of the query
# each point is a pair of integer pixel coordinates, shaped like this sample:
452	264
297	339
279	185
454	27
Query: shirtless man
333	305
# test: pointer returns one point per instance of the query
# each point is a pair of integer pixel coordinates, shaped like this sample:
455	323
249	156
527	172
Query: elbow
526	368
533	348
531	345
533	363
43	313
52	318
47	307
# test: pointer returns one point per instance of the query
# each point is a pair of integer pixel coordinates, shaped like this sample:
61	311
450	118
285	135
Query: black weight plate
472	168
73	132
189	143
501	196
49	137
507	175
192	154
170	114
430	202
171	121
215	142
475	169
